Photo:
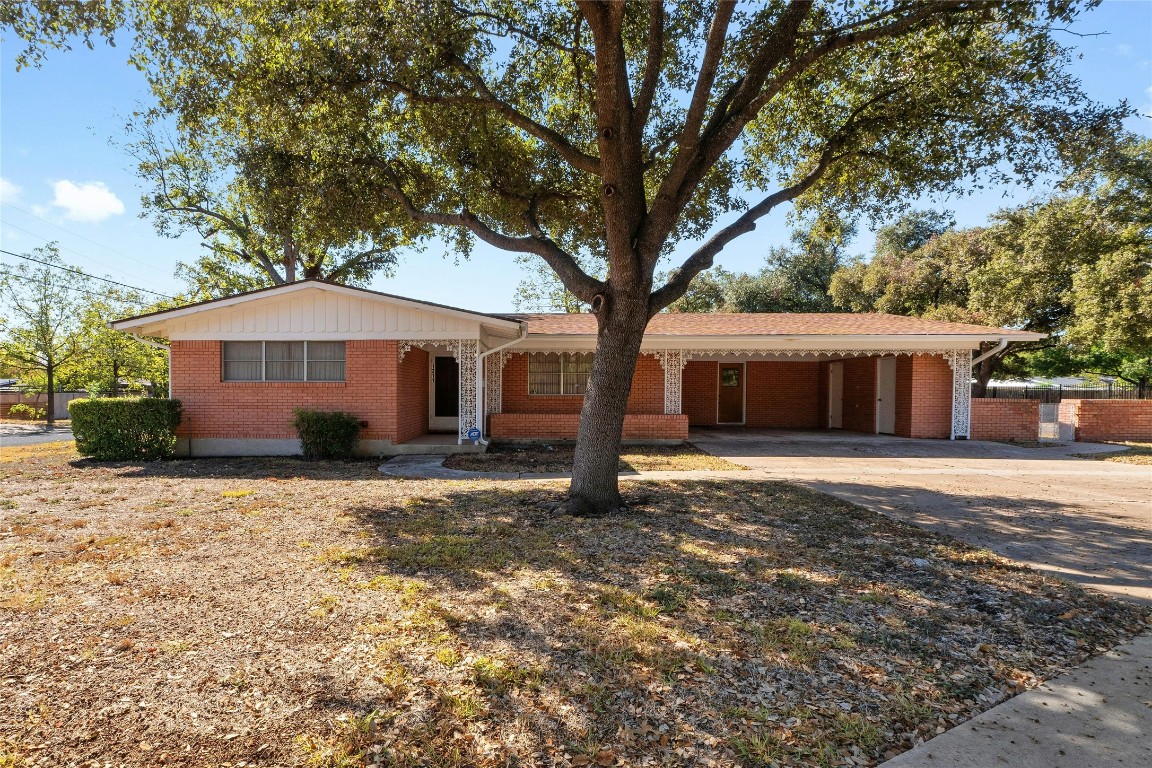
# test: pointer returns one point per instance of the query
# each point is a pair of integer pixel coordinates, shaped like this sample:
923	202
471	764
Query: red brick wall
1005	419
783	394
698	392
235	409
860	394
412	396
563	426
1110	420
928	397
647	394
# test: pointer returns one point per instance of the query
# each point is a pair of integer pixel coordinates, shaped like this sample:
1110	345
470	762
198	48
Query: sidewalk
1096	716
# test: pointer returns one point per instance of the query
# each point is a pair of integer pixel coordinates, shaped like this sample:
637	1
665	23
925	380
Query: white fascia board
417	336
139	324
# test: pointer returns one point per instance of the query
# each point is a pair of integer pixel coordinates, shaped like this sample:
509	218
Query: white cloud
88	201
9	192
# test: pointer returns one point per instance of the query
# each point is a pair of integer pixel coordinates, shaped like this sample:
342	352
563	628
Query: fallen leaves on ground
553	458
272	612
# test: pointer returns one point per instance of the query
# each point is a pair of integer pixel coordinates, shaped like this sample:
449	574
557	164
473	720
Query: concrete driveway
1087	521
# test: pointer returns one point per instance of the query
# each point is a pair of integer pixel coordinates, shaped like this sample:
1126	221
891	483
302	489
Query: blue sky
64	178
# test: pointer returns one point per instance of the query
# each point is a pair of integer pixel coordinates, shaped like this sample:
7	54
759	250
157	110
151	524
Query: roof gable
314	309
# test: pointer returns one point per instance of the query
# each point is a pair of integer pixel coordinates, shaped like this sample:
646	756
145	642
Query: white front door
835	395
443	393
886	395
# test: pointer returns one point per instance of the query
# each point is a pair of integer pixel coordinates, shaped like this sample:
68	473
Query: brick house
412	369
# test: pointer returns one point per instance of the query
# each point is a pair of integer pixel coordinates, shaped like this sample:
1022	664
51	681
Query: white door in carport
886	395
836	395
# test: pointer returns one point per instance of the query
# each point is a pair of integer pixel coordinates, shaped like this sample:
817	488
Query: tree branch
576	158
574	278
652	61
702	258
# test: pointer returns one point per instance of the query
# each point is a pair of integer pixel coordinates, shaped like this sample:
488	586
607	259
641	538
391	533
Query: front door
444	402
730	403
835	395
886	395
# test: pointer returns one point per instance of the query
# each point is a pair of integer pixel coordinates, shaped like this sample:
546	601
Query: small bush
30	411
125	428
327	434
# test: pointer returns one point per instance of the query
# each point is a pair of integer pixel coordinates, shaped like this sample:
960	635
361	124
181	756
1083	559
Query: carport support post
673	362
960	361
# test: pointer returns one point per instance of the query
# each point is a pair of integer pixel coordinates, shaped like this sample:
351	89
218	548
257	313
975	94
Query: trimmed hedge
326	434
125	428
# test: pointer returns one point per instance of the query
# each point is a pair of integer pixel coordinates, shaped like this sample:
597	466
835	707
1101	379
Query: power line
77	234
60	247
85	274
30	281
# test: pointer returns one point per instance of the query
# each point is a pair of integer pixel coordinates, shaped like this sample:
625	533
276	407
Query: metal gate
1049	421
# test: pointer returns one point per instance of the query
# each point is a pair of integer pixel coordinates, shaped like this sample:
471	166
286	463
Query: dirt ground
278	613
558	457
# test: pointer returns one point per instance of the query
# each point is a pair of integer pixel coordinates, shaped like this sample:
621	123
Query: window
283	361
558	373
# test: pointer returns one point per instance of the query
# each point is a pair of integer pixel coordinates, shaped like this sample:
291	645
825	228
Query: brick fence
1102	420
1004	419
563	426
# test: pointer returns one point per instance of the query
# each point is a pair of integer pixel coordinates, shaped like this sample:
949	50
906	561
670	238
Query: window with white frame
559	373
283	361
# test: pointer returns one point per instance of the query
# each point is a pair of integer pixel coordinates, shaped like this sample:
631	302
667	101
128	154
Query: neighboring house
411	368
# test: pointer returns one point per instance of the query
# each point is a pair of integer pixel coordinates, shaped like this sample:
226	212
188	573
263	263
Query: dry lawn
276	613
551	458
1136	453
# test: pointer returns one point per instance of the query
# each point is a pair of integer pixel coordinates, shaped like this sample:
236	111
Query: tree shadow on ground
750	616
1063	538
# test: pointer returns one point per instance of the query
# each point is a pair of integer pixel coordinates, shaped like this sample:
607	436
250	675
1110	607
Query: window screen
325	361
243	360
283	361
556	373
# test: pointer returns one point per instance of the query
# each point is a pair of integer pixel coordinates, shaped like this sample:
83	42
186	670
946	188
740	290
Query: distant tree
1074	265
263	216
41	329
794	278
114	361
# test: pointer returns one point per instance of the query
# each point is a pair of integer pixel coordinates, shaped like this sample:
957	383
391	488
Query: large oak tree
617	133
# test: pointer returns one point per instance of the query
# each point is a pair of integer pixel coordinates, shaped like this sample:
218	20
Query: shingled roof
768	324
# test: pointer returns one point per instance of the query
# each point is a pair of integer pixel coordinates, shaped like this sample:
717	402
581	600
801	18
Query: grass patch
61	450
554	458
1133	453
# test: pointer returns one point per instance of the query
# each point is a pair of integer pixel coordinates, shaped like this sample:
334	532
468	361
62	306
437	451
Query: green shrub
125	428
327	434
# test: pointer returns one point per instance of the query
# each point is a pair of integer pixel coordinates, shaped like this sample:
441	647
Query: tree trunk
983	374
595	488
50	406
